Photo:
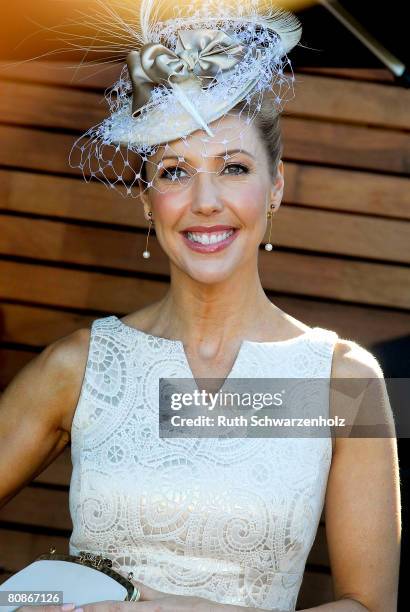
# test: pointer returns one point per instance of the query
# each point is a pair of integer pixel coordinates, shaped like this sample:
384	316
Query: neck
211	315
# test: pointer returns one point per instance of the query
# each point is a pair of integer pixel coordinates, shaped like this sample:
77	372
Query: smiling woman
236	184
199	520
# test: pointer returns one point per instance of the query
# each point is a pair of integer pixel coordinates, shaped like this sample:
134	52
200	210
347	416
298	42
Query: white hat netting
184	74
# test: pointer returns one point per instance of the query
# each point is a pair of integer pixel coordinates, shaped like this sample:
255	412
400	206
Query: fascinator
182	74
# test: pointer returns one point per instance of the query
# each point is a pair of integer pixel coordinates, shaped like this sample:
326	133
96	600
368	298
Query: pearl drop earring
268	245
146	254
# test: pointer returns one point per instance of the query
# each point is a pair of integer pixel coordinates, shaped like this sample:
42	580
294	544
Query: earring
146	254
268	245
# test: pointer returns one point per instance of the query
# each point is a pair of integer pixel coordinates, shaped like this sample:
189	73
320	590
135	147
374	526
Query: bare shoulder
364	402
63	362
351	360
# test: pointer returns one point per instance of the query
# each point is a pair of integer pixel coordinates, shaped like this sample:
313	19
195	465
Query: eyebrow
222	154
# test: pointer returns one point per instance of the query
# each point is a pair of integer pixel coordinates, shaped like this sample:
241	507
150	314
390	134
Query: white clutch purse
83	579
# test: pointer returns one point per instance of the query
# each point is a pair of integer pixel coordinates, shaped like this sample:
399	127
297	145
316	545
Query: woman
206	524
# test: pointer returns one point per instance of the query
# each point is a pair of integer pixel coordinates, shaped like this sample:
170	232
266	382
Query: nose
205	194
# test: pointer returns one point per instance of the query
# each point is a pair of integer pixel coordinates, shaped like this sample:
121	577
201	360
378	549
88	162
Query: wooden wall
71	252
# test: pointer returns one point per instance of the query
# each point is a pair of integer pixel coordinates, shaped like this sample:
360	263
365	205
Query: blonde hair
267	123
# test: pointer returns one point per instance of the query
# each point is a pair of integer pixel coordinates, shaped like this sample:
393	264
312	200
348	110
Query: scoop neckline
136	330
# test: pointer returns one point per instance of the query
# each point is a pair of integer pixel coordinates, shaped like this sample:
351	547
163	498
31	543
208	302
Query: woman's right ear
147	210
143	196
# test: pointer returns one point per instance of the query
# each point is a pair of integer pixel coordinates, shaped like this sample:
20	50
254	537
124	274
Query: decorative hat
182	74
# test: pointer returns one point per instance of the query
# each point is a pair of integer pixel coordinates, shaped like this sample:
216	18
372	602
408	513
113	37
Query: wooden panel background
70	253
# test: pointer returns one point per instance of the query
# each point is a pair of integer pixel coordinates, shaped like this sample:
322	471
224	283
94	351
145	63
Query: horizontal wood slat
319	97
346	190
36	150
338	279
38	327
304	141
357	102
66	198
19	548
76	288
11	362
62	74
310	275
375	75
37	506
344	145
328	188
57	72
50	107
318	231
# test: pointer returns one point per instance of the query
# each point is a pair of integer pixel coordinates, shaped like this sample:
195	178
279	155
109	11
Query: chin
211	273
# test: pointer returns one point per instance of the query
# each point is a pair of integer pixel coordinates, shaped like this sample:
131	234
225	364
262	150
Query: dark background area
394	358
331	44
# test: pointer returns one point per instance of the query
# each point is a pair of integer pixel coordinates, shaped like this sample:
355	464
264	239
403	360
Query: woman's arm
36	409
362	508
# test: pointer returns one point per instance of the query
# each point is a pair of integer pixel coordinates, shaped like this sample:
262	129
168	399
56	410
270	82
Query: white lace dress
229	520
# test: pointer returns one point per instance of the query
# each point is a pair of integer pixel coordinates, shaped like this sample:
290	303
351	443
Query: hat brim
160	125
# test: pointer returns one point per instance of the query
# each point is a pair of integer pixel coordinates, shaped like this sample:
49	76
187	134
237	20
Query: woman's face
208	186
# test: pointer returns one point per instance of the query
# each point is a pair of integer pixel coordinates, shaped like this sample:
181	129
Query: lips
213	247
202	229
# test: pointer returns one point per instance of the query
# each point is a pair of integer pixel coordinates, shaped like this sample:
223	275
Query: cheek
167	207
250	203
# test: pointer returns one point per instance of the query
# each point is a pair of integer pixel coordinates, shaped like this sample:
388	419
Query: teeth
209	238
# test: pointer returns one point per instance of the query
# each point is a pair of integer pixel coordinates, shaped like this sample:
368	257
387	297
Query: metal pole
388	59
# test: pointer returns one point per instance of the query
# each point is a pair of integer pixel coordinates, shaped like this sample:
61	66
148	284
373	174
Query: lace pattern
228	520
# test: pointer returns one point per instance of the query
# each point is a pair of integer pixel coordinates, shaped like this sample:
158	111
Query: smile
209	238
209	242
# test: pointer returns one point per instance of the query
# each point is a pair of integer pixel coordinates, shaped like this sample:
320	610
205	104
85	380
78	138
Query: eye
172	173
237	169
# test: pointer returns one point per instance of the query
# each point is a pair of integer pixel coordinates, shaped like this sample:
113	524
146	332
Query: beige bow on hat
199	55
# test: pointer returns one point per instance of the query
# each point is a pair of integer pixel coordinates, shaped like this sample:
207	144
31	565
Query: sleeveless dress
229	520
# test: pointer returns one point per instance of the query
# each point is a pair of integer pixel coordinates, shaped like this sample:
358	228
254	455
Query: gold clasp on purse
96	561
86	558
